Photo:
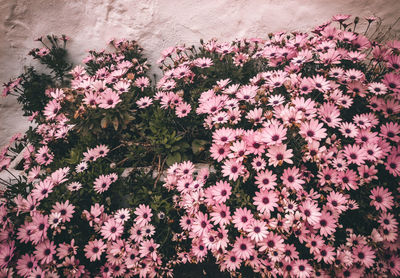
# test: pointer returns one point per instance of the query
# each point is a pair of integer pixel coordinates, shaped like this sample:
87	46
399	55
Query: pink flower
42	189
94	249
219	152
144	215
67	249
221	191
102	184
266	201
364	255
144	102
291	178
243	248
382	198
201	225
274	134
109	99
266	180
232	261
221	214
313	130
242	218
326	224
301	269
51	110
142	82
311	211
6	253
45	251
257	230
65	209
355	154
43	156
25	264
183	109
111	230
279	154
232	169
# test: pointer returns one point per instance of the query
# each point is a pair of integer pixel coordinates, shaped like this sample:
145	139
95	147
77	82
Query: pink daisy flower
74	186
142	82
221	191
313	130
279	154
364	255
348	130
326	224
109	99
43	156
291	178
320	83
45	251
337	201
355	154
266	180
42	189
274	134
102	184
311	211
112	230
201	225
243	248
223	135
144	215
65	209
67	249
393	164
51	109
257	230
266	200
326	253
203	62
122	215
221	214
301	269
391	131
232	169
242	218
219	152
25	264
183	109
258	164
330	114
272	242
232	261
144	102
381	198
347	179
94	249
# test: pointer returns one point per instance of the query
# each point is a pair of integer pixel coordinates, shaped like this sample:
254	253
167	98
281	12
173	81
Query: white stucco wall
156	25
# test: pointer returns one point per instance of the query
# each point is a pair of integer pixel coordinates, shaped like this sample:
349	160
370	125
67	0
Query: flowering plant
300	133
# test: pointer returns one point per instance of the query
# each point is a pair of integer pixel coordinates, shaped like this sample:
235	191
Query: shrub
299	135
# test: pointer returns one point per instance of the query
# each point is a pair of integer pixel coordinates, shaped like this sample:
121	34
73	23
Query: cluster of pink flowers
304	164
121	243
128	246
303	147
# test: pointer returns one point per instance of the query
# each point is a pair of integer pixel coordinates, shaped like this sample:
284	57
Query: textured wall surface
155	24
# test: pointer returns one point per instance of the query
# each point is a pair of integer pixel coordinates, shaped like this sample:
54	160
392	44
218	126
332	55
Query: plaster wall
156	25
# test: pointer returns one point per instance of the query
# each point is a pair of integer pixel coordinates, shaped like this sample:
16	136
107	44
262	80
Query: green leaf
174	157
198	145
